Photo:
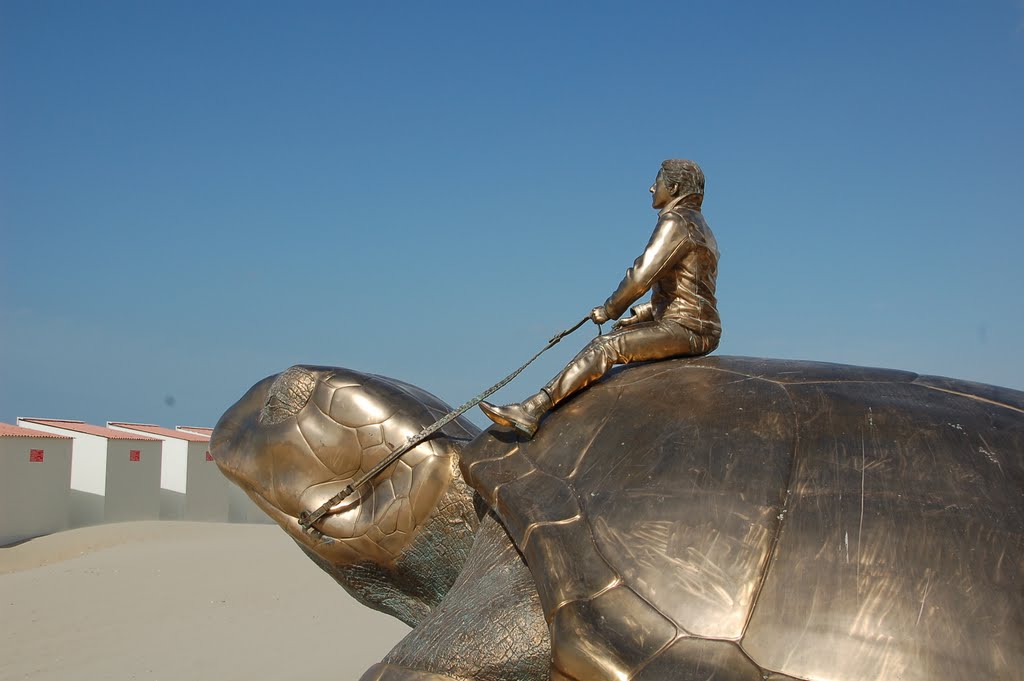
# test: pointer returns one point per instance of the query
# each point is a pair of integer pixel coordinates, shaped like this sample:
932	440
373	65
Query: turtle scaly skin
489	627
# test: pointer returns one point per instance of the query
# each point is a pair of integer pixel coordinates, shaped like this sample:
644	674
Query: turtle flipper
489	627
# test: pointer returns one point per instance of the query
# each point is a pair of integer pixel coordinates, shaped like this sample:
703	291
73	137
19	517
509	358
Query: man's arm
644	312
669	242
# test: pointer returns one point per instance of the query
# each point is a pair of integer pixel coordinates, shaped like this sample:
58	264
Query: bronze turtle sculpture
710	518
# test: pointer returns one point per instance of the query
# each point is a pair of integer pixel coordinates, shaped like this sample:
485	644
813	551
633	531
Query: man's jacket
679	266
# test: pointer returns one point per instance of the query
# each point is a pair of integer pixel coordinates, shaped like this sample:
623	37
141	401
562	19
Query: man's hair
686	174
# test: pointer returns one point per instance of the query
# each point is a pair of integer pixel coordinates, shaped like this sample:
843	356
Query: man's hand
599	315
626	321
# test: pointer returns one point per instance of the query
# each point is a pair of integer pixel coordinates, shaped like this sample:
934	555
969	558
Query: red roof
7	430
162	432
197	429
89	429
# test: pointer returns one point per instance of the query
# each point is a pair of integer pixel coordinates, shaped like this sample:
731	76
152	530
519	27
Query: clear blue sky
194	195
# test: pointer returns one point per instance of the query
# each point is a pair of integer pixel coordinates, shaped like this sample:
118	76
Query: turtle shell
771	519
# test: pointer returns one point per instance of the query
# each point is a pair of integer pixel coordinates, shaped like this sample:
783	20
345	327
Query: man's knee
710	344
606	352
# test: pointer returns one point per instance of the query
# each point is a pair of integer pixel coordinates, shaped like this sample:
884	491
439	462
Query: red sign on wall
209	457
35	455
134	455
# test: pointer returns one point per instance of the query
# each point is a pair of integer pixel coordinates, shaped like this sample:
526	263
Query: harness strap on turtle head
308	518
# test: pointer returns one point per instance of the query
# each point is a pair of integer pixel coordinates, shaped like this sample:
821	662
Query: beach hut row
57	474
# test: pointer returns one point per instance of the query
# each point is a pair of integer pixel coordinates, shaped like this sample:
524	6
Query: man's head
678	178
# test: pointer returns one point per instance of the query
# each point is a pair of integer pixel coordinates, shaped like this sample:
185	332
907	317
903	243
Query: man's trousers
640	342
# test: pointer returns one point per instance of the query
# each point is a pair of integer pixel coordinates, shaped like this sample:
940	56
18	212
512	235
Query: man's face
662	194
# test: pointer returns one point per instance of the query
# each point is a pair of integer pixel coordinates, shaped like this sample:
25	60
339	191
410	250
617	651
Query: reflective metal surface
680	263
490	626
713	517
679	266
707	517
816	521
296	439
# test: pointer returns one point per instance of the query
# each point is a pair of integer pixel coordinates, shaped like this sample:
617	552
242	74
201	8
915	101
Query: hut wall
207	496
35	480
133	482
173	479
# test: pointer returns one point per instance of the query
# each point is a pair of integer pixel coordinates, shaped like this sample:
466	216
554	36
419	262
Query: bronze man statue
679	266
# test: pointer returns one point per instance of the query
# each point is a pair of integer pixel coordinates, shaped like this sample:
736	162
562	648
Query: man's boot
524	416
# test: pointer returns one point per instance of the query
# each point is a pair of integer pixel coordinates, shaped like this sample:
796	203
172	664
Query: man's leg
641	342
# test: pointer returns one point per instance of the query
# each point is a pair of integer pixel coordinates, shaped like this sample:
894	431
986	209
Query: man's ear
674	189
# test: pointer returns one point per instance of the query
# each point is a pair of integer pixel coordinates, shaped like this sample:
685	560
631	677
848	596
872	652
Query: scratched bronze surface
829	522
715	517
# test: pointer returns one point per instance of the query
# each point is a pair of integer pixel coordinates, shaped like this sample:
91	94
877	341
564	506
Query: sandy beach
176	600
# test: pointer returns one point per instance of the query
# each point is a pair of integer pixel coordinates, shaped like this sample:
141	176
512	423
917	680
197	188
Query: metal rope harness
306	518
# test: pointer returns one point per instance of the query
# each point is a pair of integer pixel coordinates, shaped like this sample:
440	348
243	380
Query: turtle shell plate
754	517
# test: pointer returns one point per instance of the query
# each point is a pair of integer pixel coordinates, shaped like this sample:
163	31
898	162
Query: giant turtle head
296	439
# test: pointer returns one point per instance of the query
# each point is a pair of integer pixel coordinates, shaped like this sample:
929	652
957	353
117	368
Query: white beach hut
115	476
191	485
35	479
241	509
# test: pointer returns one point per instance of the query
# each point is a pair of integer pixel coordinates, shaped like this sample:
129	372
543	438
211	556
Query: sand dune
177	601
